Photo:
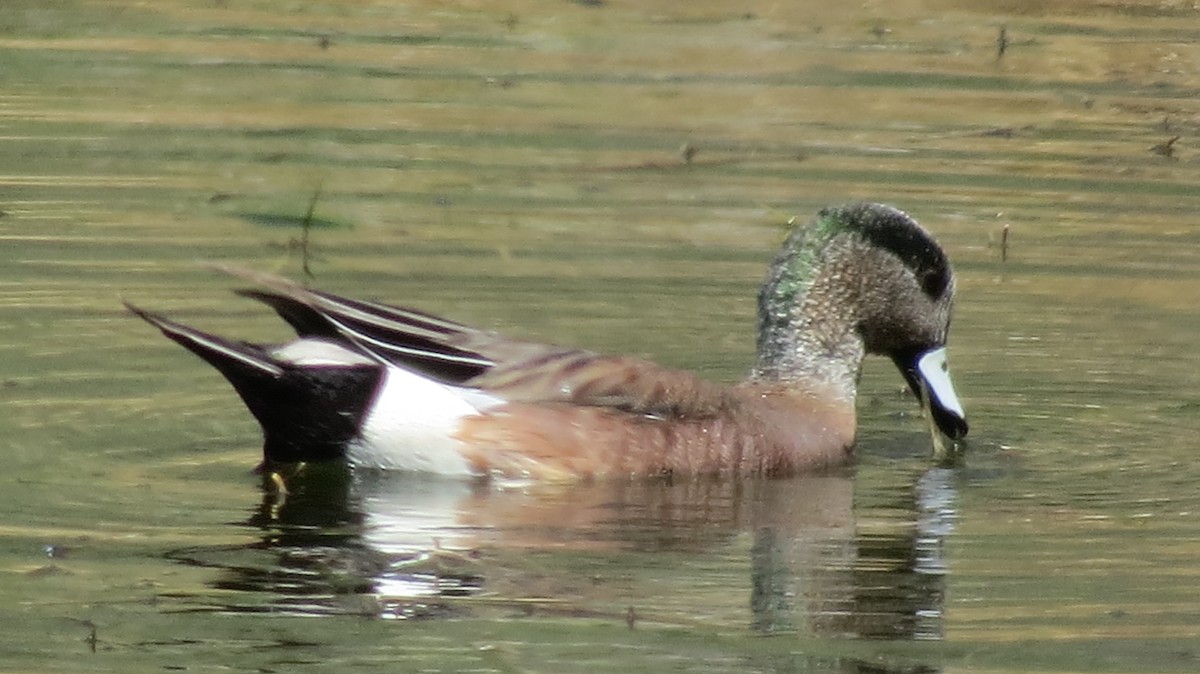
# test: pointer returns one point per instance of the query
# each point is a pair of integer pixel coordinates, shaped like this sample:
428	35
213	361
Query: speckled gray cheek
898	314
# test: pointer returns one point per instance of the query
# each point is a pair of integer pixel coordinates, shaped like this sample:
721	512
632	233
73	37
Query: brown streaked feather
627	384
760	431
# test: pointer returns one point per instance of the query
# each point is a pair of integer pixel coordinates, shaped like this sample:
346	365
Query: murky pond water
521	166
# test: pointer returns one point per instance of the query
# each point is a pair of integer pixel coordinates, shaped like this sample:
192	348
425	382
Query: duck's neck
807	331
812	359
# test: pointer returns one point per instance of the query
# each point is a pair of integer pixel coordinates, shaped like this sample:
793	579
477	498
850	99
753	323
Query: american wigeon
389	387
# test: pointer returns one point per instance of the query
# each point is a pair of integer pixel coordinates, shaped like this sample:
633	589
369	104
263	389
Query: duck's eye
934	281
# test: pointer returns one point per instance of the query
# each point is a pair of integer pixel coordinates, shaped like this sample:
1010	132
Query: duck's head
861	278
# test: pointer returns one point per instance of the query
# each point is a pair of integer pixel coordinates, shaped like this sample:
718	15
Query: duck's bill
928	372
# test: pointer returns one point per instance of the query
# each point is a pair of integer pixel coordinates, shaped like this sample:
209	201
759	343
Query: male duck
387	387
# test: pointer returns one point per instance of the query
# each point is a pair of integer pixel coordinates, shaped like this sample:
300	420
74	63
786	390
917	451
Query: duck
381	386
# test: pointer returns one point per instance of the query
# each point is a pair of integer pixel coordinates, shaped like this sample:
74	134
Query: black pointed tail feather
306	321
307	413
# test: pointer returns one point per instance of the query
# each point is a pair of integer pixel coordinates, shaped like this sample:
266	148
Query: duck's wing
590	379
514	370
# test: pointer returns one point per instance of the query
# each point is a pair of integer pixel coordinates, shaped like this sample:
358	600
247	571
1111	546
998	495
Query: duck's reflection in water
879	579
406	546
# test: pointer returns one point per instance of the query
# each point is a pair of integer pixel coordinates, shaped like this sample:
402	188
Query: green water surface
521	166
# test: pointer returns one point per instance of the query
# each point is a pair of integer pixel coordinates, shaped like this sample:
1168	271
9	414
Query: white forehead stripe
935	370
